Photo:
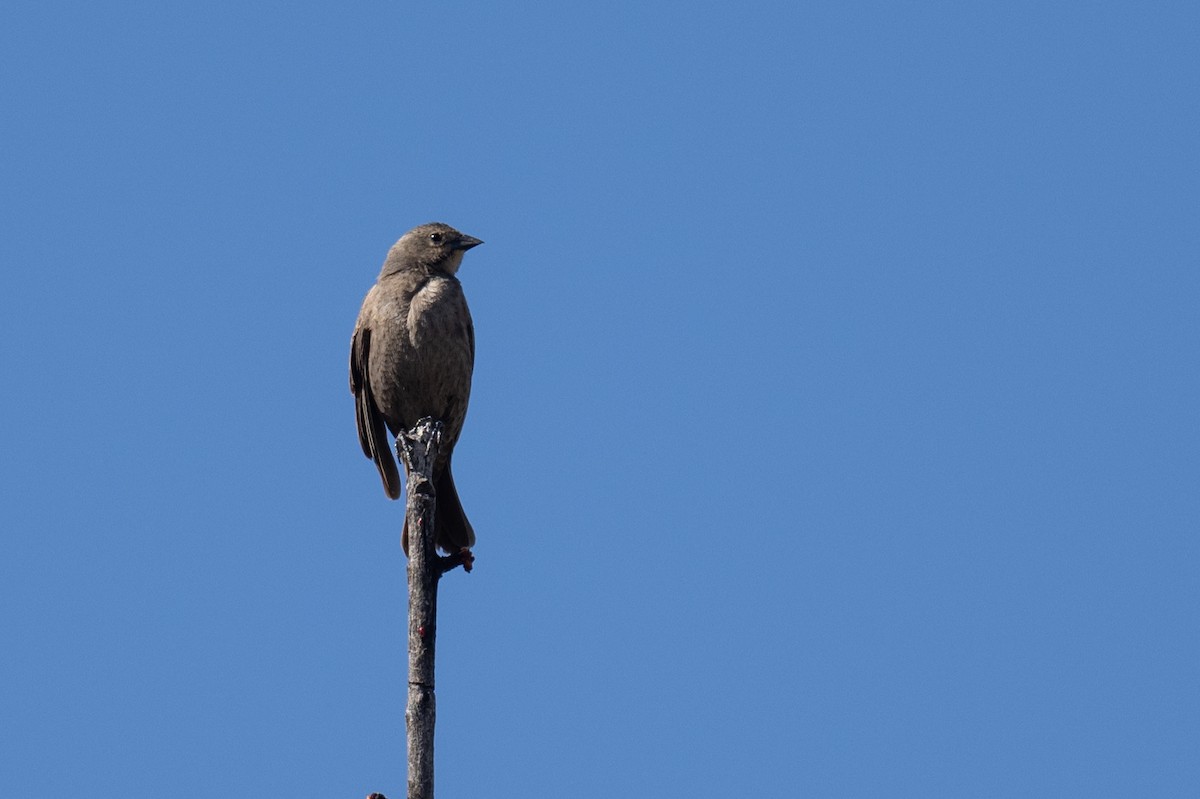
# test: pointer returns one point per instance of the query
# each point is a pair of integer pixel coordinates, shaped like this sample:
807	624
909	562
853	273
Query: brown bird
411	356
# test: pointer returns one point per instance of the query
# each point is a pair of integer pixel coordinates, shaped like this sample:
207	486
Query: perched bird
411	356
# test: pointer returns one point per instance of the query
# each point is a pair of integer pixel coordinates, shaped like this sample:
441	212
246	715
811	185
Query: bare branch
419	450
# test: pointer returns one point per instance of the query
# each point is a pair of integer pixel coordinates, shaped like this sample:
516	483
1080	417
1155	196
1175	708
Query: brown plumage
411	356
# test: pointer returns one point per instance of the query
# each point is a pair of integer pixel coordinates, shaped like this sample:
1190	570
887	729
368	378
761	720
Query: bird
411	356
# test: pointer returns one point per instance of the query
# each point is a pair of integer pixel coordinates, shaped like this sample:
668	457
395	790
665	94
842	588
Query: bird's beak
466	242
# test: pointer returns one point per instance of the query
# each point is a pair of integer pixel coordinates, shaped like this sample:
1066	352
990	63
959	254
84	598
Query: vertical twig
419	451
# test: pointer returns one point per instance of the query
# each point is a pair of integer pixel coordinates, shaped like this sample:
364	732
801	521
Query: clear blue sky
834	429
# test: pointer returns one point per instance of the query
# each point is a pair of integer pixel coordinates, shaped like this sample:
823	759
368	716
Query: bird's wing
471	337
372	433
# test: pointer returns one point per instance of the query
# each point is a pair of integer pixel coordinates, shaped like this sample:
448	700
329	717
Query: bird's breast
437	316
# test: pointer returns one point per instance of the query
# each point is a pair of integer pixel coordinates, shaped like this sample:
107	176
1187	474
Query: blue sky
834	425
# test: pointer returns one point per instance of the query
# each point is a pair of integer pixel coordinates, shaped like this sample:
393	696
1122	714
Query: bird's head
435	246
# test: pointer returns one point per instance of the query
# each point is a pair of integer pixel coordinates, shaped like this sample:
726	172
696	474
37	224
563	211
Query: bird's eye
436	238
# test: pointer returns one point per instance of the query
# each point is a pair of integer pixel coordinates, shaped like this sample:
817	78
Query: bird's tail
454	531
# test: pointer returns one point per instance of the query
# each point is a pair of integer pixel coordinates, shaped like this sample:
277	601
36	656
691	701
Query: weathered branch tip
464	557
